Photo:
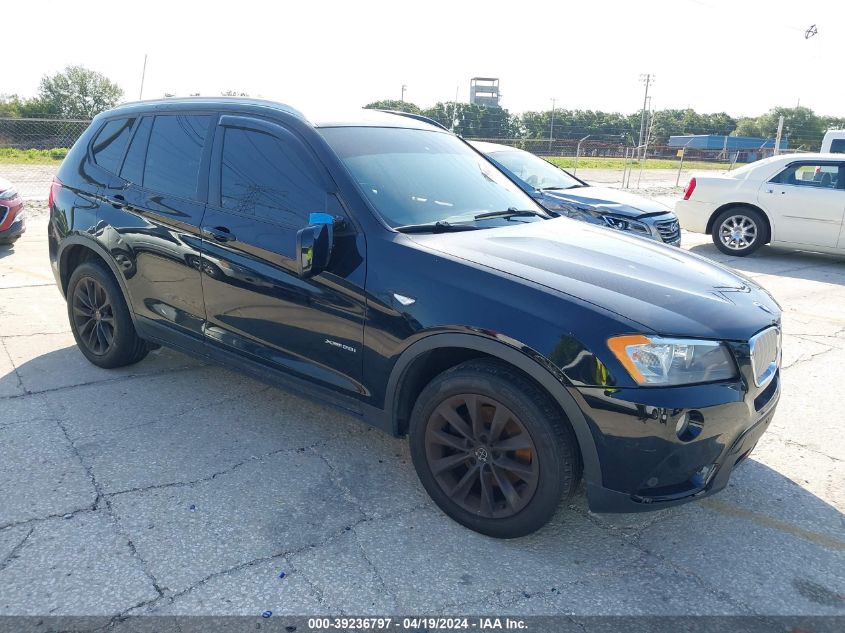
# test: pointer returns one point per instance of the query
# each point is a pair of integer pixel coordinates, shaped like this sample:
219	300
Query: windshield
421	177
534	170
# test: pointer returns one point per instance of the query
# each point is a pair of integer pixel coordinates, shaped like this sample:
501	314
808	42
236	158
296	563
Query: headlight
625	224
594	216
652	360
8	194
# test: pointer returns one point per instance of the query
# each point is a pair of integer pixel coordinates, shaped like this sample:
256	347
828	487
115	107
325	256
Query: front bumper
645	465
12	222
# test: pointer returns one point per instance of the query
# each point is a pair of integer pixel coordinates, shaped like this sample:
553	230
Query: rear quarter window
110	143
174	154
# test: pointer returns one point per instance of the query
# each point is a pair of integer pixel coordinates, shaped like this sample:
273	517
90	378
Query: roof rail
418	117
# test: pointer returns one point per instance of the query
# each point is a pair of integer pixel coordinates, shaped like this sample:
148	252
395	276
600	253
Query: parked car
12	223
559	191
834	142
795	200
381	265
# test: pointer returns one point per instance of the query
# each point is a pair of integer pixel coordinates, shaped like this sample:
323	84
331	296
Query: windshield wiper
512	212
575	186
434	227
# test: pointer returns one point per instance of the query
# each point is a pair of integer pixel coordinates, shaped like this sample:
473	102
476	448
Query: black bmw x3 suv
381	264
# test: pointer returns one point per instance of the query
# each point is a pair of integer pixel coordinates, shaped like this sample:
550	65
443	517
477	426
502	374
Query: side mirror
313	249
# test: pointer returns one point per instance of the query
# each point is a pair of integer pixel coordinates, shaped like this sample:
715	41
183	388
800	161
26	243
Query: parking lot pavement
177	487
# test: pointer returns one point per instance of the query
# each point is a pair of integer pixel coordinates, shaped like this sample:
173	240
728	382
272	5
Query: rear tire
739	231
492	449
99	318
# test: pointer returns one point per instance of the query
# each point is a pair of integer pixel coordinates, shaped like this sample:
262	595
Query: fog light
681	425
689	426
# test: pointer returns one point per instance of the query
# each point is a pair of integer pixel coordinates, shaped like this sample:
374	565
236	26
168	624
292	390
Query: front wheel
100	319
492	450
739	231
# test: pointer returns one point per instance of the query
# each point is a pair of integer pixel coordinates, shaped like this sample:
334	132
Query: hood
605	199
4	184
666	290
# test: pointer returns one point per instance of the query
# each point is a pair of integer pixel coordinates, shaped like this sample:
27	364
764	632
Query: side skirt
199	348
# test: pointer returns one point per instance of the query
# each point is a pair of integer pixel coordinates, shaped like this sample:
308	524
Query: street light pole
143	74
647	80
552	126
403	92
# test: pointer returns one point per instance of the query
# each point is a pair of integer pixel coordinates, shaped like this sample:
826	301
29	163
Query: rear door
806	201
153	216
264	185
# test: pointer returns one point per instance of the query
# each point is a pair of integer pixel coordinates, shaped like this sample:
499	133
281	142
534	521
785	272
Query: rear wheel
492	450
739	231
99	318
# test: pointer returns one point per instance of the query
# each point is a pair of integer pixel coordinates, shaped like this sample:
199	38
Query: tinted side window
133	164
110	142
261	175
810	175
174	154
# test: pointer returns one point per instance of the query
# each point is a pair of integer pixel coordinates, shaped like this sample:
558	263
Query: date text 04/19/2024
414	623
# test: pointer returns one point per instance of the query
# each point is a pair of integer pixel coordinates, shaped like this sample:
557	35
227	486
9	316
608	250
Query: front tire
492	449
100	320
739	231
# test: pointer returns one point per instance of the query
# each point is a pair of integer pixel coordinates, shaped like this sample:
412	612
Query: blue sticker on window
321	218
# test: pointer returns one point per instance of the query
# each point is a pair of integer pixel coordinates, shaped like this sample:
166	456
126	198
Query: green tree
10	106
394	104
474	121
75	93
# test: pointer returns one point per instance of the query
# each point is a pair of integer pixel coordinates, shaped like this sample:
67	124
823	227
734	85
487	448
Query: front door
264	185
806	203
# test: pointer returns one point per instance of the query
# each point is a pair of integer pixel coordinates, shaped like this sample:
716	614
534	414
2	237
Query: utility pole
143	74
403	92
552	126
647	80
777	138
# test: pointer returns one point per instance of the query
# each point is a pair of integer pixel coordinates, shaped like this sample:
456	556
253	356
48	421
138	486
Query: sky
738	56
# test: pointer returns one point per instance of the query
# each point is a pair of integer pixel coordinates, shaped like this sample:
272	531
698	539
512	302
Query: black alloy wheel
481	455
93	316
492	448
100	319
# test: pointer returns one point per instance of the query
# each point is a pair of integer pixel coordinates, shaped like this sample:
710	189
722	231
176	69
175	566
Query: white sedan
795	200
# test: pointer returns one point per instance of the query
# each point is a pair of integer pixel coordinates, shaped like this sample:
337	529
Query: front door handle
218	233
118	201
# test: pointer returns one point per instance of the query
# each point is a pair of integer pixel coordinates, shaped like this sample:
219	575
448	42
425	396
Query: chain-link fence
41	133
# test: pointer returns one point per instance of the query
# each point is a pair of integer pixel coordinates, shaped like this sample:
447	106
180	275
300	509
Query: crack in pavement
116	379
13	554
801	360
15	370
634	538
170	414
220	473
785	440
101	499
285	555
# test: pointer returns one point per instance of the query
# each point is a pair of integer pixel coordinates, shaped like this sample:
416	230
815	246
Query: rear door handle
218	233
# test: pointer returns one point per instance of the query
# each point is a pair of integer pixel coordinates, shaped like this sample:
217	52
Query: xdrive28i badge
343	346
